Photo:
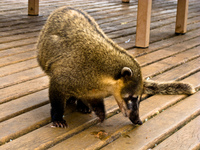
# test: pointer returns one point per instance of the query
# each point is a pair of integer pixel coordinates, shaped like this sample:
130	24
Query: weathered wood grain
24	105
184	139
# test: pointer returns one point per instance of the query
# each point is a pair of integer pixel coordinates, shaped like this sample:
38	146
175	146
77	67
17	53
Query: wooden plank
27	31
157	44
21	66
20	77
143	23
17	21
170	62
33	7
17	58
157	7
184	139
159	17
18	43
7	39
123	35
9	93
159	127
16	50
23	104
129	12
167	52
31	23
23	23
24	123
180	71
194	80
181	17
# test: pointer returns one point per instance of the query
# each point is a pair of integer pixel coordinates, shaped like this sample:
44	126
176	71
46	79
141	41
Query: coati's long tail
167	88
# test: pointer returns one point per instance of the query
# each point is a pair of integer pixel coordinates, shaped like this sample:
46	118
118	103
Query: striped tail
167	88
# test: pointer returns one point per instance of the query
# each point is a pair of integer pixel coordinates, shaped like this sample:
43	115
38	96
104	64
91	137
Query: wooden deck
170	121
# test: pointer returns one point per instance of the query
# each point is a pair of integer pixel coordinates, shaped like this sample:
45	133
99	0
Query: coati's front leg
58	101
97	105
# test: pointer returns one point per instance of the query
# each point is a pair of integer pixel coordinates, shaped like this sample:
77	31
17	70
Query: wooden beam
33	7
143	23
125	1
181	16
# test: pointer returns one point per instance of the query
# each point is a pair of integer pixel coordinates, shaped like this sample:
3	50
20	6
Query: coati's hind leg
58	102
97	105
81	107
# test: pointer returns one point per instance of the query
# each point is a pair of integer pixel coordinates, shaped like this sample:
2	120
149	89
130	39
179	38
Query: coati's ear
126	71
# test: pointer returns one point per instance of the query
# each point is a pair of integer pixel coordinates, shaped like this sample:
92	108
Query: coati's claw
85	110
102	117
60	124
81	107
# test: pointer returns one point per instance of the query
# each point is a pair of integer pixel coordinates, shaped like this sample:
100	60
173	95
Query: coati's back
69	33
75	39
60	35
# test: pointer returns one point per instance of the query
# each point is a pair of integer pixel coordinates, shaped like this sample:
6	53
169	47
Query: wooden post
125	1
181	16
33	7
143	23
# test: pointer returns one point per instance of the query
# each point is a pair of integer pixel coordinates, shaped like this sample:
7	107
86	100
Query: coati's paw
81	107
100	113
60	124
101	117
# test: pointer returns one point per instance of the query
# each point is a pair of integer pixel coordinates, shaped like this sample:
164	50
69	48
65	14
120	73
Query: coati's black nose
139	122
135	119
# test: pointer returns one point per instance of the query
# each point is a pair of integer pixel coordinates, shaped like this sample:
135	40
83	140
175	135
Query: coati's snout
130	94
132	103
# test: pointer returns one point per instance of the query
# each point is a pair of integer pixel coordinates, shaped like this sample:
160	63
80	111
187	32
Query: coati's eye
129	102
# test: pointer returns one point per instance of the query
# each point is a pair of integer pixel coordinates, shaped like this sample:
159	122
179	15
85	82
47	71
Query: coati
84	64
